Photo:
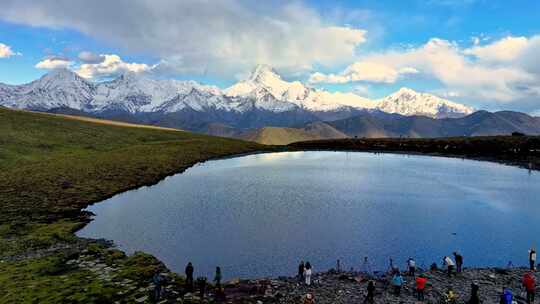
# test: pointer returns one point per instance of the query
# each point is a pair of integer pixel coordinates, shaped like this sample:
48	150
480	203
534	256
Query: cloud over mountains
219	36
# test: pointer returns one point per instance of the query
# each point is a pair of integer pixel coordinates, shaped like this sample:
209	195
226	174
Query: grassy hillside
51	167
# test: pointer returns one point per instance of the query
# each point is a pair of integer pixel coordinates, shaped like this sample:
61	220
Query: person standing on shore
301	269
459	261
447	261
370	298
217	277
532	259
366	268
411	263
475	299
157	279
189	277
506	296
529	282
307	274
397	283
421	282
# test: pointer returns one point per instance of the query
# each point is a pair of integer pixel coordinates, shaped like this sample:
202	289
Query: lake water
258	215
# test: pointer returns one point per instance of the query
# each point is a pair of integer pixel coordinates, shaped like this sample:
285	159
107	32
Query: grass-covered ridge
53	166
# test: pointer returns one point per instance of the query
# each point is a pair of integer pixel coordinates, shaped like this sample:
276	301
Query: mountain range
262	106
381	125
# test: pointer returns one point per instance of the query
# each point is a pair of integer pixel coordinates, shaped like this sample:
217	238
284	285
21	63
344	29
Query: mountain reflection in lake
258	215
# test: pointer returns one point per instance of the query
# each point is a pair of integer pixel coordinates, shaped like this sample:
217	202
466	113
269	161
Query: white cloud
54	63
6	51
506	49
493	72
376	72
215	37
112	65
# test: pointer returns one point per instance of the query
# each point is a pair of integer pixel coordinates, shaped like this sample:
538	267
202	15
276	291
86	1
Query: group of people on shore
454	267
190	283
305	272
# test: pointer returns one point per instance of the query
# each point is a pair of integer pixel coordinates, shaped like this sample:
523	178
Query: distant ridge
384	125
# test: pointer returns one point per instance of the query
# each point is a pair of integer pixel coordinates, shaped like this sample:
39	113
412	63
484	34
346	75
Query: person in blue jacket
506	296
397	283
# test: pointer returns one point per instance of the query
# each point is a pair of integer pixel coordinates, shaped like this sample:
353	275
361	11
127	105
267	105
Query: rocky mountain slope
384	125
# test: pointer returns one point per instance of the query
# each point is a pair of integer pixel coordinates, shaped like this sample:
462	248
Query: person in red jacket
529	282
421	282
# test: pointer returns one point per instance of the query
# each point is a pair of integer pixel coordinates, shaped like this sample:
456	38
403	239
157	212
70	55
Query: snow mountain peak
263	90
409	102
263	72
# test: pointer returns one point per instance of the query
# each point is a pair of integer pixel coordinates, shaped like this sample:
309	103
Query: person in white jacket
532	259
307	273
449	263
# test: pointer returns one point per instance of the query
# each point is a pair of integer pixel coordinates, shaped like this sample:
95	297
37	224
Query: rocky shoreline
329	287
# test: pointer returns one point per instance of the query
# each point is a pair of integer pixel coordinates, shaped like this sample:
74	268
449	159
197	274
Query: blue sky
478	52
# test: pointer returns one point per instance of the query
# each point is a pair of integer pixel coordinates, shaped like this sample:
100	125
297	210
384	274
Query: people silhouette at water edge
475	299
366	268
217	277
307	273
370	297
447	261
301	269
411	264
459	261
532	259
189	277
157	279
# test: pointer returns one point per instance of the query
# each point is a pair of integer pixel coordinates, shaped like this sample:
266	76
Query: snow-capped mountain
58	89
264	99
408	103
266	85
